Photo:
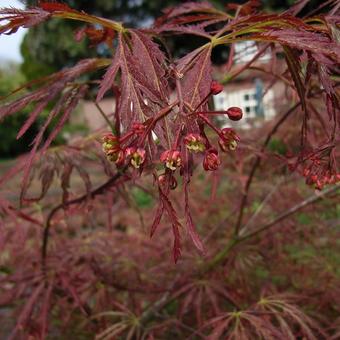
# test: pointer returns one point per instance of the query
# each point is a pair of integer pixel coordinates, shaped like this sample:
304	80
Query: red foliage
99	270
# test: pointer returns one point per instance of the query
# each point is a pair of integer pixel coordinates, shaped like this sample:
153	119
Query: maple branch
228	78
208	122
133	205
220	257
262	204
91	19
219	226
291	211
102	113
257	163
159	304
270	73
164	301
99	190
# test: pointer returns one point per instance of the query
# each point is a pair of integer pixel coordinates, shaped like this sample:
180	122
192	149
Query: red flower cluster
118	154
171	159
228	140
316	175
136	156
134	153
111	147
211	160
194	142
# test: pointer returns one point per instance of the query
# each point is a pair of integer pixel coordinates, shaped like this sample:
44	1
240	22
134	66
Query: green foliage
262	273
142	199
10	79
331	212
302	255
278	146
51	46
8	131
304	219
255	206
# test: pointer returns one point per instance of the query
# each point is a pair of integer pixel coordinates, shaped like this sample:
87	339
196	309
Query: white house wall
245	99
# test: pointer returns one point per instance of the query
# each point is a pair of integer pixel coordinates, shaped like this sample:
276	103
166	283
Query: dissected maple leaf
143	86
197	79
21	18
41	97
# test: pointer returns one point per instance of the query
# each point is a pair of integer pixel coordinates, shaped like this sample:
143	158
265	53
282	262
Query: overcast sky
10	44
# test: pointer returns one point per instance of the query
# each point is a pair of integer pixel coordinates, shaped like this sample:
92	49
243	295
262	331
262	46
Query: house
254	91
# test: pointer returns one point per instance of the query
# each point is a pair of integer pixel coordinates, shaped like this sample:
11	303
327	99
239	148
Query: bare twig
220	256
262	204
103	114
256	164
218	226
228	78
154	308
291	211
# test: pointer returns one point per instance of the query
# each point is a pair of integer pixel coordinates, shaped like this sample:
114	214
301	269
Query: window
247	109
246	50
246	97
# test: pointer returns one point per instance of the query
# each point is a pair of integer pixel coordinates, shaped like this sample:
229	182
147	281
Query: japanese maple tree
163	131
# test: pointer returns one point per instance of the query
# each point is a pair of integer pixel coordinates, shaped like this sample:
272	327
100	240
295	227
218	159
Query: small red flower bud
215	87
112	149
138	128
109	142
314	178
161	179
306	172
326	179
319	185
228	140
137	156
120	158
211	160
116	156
171	158
109	137
194	142
130	151
172	181
234	113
